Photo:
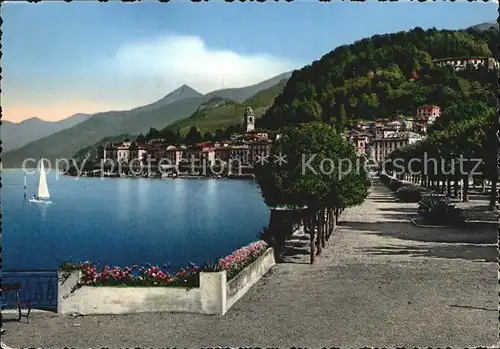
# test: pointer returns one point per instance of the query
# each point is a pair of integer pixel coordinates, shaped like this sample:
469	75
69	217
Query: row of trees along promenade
460	140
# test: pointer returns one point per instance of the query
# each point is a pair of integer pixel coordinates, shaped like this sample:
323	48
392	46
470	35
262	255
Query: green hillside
378	76
220	113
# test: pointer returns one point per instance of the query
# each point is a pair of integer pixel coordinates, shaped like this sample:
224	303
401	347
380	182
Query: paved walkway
380	282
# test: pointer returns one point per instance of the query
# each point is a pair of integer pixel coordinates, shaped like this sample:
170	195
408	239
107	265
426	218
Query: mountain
182	93
16	135
385	74
65	143
242	94
221	112
177	105
485	26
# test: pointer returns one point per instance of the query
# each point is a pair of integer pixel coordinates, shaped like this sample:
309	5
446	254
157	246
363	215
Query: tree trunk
323	228
465	189
280	226
328	224
319	237
493	195
312	235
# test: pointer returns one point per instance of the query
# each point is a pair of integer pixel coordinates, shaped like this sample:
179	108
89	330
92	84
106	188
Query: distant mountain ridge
242	94
221	112
485	26
178	104
16	135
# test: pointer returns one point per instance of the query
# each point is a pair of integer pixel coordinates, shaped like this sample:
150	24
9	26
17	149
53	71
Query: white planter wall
214	296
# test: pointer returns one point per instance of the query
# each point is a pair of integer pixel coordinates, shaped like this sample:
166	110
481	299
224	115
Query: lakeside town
237	157
403	254
374	140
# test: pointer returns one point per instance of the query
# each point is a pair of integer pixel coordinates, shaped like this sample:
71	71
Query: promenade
380	282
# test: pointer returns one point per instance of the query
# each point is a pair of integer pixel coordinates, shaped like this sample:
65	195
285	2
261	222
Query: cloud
187	60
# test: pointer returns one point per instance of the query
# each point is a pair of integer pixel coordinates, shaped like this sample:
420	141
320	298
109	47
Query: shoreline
115	176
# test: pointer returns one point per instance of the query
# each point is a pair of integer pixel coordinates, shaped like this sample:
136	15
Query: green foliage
377	76
409	193
221	113
342	120
436	210
307	178
193	136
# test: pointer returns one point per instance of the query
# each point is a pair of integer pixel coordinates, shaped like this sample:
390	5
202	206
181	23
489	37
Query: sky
61	58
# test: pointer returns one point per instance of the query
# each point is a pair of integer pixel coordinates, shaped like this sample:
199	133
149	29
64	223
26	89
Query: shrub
393	183
409	193
436	210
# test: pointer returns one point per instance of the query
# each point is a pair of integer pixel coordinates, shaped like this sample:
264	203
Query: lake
122	221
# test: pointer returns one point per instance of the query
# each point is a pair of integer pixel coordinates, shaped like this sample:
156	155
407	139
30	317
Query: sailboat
43	195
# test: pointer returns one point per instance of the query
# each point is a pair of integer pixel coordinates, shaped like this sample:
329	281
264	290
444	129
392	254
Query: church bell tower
249	121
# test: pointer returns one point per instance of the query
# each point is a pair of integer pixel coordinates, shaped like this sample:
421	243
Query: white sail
43	189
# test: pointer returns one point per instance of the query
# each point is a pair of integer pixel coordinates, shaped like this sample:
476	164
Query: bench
19	304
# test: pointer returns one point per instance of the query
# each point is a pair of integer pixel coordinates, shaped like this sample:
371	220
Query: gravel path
380	282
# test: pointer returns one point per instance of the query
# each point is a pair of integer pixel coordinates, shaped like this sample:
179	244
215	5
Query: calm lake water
127	221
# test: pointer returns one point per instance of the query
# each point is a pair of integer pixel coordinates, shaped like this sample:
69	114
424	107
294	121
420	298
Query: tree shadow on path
407	231
463	251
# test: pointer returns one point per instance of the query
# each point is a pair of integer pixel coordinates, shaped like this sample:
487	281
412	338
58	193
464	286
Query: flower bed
135	276
239	259
84	290
154	276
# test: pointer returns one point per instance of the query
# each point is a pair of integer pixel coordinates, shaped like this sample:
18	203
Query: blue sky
63	58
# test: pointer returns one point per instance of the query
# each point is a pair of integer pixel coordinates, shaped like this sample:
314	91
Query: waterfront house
173	155
259	149
137	152
110	152
240	154
222	152
207	155
383	147
193	152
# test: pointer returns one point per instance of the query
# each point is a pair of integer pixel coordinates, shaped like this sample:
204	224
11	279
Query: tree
140	139
207	136
153	134
219	135
341	120
193	136
311	176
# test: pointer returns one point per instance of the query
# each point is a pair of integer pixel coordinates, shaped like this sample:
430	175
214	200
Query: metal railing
37	286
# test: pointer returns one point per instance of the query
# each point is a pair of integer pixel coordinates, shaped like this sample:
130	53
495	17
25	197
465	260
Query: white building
383	147
461	63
